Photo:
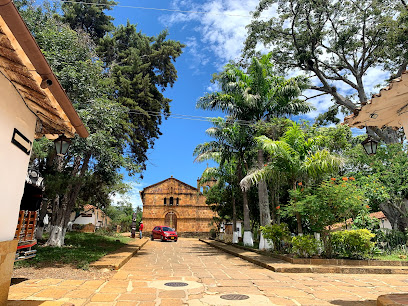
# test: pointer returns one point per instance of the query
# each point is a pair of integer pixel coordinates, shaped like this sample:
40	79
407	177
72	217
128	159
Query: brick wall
193	215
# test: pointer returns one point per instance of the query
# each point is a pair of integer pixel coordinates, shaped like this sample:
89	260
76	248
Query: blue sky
212	40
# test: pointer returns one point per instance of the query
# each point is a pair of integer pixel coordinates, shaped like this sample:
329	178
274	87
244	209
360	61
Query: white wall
13	162
85	220
384	223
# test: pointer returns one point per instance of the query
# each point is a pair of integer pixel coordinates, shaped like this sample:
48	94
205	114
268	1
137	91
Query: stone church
178	205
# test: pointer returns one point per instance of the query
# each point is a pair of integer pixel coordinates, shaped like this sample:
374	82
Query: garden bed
324	261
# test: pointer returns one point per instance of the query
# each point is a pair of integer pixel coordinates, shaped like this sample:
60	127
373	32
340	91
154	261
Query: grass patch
255	247
393	255
79	251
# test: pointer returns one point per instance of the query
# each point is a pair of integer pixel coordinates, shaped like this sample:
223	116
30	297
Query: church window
177	201
164	201
171	200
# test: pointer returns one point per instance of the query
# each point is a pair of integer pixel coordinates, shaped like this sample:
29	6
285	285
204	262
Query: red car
164	233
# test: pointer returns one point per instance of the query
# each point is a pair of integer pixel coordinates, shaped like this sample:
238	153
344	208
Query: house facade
33	104
91	215
176	204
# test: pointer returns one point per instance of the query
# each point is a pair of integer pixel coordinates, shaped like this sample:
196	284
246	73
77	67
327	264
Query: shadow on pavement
35	303
17	280
354	303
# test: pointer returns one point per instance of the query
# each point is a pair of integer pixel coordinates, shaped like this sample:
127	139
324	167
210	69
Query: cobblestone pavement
207	275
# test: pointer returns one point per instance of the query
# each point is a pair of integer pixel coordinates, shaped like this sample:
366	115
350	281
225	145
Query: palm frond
322	162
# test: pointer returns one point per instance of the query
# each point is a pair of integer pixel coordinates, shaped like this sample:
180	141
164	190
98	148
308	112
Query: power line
187	117
157	9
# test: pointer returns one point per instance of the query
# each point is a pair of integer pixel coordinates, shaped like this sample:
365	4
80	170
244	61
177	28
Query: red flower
344	178
352	178
333	179
278	207
265	165
300	183
302	189
367	206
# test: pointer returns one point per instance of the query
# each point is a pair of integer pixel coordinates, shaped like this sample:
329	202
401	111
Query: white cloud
222	30
132	196
213	87
198	58
321	104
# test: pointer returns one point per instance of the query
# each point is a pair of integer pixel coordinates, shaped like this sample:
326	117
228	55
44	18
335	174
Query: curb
392	299
115	260
279	265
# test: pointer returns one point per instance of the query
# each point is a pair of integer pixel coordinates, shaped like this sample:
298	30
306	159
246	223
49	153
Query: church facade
176	204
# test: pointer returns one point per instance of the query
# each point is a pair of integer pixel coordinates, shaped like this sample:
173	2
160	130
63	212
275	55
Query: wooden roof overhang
388	108
24	65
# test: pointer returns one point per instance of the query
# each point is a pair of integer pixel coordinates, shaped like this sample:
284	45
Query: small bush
391	239
305	246
213	233
354	244
278	234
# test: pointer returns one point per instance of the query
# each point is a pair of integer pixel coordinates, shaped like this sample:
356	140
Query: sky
211	40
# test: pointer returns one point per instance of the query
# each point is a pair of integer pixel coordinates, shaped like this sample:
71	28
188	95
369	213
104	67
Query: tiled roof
88	207
385	108
378	215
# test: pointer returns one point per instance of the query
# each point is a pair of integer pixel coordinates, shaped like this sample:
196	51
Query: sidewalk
278	265
116	259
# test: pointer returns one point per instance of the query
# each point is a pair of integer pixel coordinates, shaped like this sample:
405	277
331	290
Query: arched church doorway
170	220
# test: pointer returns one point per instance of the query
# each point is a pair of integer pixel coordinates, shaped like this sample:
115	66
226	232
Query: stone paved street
208	274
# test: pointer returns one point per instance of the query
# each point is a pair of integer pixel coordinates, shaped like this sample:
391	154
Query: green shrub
277	233
391	239
355	244
305	246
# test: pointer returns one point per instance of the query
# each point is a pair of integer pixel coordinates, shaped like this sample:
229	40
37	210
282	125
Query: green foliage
89	18
384	179
305	246
328	203
278	234
141	67
80	250
362	221
355	244
121	214
391	239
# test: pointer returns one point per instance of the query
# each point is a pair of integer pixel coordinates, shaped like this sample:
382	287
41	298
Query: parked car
164	233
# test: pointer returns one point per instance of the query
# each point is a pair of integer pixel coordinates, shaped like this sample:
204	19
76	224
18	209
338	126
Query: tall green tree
101	106
141	68
232	141
336	42
297	158
257	94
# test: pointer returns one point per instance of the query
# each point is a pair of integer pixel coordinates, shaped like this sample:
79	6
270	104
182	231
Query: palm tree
232	141
257	95
298	157
226	182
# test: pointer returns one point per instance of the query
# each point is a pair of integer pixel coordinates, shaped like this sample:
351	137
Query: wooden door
170	220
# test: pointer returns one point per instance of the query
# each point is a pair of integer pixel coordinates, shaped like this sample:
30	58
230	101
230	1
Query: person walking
141	229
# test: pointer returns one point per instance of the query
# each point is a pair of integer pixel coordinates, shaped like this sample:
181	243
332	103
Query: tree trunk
62	209
234	214
298	217
40	228
264	210
248	240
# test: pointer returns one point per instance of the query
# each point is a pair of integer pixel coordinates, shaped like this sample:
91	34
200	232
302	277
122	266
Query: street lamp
61	145
370	145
